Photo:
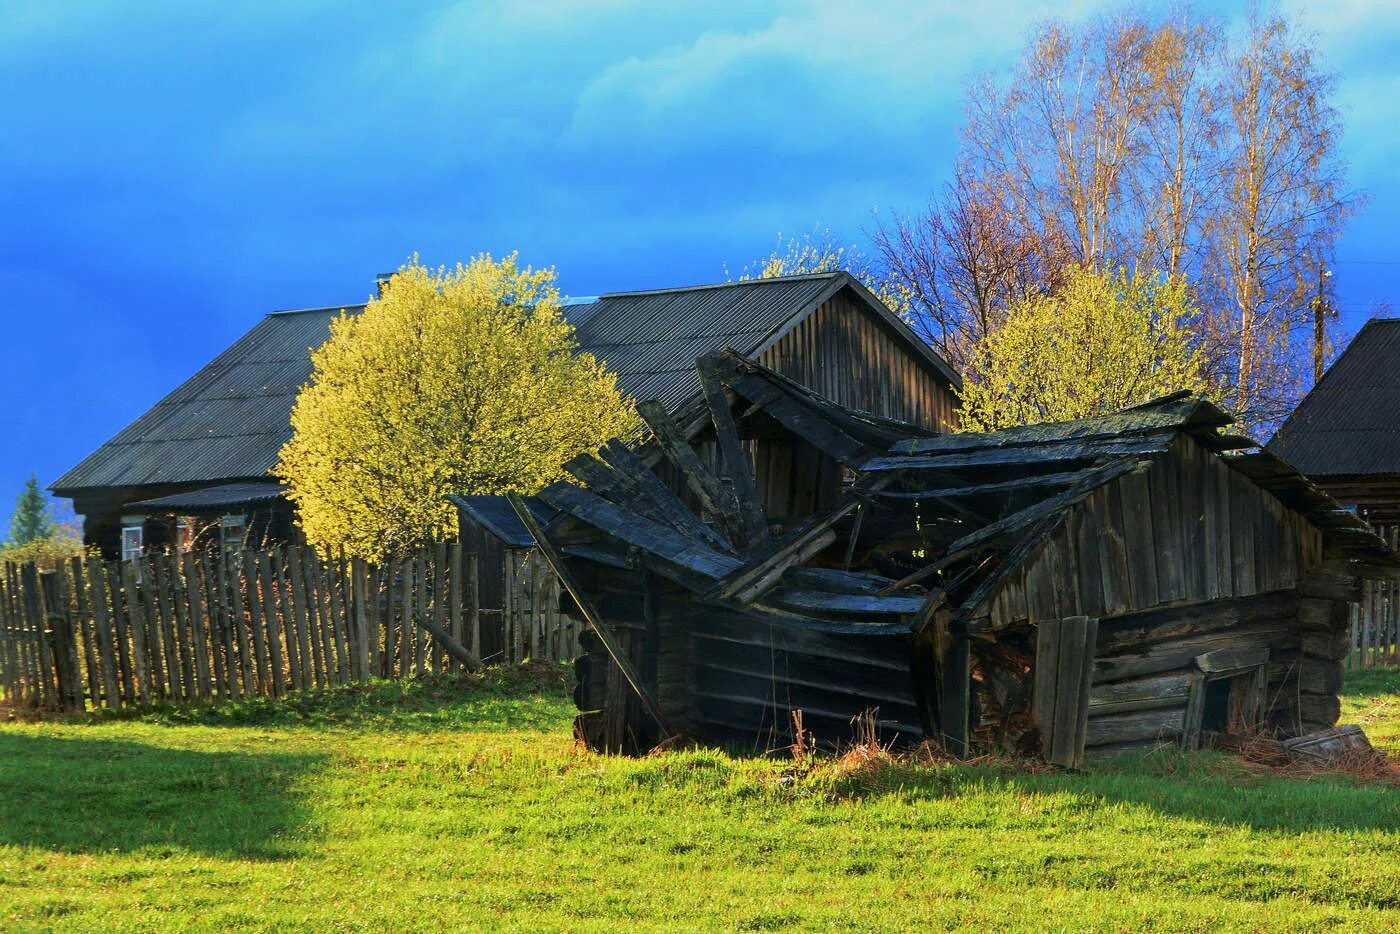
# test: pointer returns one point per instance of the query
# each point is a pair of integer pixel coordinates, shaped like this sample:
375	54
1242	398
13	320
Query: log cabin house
1074	589
198	462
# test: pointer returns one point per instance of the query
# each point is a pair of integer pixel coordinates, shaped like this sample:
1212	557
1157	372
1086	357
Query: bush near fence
192	627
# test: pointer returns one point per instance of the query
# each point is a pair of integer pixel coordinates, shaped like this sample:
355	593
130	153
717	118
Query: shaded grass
445	804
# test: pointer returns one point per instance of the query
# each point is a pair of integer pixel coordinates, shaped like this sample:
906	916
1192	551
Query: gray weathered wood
605	635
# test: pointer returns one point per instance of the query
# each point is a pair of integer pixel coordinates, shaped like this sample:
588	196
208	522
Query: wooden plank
406	638
181	671
663	500
627	526
441	615
277	561
318	592
1194	713
321	664
243	645
296	581
1152	692
158	589
1163	725
738	470
1066	452
361	587
451	645
257	622
1044	679
421	647
83	627
614	648
703	484
473	604
58	635
763	570
126	676
272	623
346	627
164	684
137	626
1178	653
804	601
100	598
1137	526
1030	515
955	704
1074	664
1166	525
800	419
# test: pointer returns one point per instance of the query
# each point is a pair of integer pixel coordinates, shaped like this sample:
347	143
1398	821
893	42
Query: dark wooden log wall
646	615
750	672
1146	662
1186	530
849	357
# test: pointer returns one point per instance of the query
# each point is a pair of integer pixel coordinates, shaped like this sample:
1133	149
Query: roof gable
1349	423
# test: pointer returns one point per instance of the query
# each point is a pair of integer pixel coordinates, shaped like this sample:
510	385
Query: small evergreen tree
33	517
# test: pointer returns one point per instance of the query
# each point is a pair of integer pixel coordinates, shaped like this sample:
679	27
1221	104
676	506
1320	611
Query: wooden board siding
852	359
1186	530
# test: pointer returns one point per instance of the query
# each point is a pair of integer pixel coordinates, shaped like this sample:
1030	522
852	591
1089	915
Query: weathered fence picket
1375	618
188	627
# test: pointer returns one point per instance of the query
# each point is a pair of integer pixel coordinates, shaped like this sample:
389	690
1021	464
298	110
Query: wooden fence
1375	621
188	627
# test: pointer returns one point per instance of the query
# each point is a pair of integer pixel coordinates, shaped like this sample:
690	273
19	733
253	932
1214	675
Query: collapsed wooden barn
1074	589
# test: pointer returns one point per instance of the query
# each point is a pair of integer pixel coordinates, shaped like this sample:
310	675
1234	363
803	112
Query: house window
133	541
233	532
185	530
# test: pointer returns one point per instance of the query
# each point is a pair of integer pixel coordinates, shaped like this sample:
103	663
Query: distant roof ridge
323	308
800	277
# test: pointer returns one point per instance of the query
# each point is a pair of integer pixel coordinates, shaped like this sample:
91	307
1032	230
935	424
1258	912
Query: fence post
58	630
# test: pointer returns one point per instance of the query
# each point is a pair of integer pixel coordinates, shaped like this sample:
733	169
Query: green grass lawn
434	805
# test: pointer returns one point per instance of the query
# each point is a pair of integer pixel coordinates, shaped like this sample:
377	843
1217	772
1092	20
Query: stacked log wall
750	672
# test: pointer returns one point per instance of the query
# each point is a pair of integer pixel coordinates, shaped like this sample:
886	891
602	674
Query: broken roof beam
651	537
1017	485
1092	480
764	570
736	460
803	418
1171	412
1050	452
714	498
626	483
816	601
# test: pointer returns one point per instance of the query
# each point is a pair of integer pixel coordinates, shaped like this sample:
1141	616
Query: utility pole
1321	308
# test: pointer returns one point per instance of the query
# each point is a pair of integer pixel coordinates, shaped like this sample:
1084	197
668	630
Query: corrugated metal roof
213	497
1349	424
228	421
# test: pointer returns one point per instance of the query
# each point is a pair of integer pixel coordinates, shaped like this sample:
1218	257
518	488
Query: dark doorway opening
1215	714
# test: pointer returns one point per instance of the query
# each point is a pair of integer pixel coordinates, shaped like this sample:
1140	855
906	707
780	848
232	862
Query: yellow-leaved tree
464	380
1101	341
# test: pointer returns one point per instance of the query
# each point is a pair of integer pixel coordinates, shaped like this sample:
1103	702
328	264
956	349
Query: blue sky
169	172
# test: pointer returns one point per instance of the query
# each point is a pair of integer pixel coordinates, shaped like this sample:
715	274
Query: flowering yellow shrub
452	381
1100	342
